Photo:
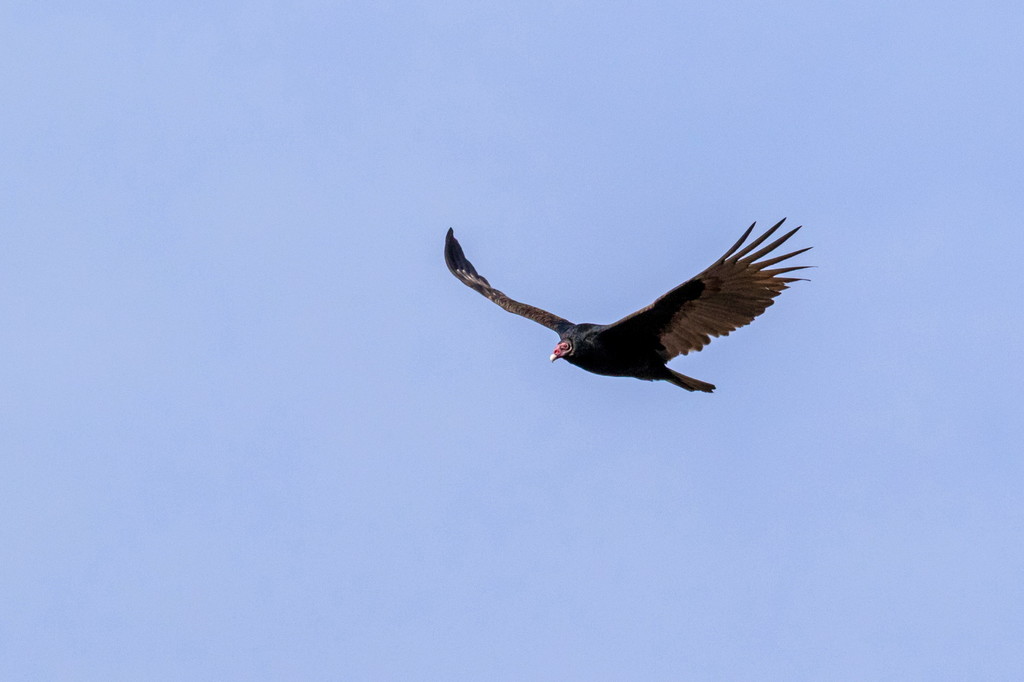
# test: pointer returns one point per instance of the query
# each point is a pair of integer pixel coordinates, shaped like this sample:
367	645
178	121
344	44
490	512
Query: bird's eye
563	346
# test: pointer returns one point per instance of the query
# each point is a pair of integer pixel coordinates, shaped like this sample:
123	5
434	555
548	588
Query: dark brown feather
460	266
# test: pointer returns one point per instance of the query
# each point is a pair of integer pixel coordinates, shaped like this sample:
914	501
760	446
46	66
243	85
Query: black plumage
729	294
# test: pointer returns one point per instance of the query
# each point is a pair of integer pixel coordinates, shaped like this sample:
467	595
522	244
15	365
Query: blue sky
253	429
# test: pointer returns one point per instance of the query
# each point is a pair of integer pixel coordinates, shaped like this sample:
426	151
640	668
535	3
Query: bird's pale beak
553	357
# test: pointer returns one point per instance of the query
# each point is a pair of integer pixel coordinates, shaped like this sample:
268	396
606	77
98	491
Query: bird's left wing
726	296
467	274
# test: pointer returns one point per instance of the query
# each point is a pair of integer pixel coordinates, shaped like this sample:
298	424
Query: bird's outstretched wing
728	295
467	274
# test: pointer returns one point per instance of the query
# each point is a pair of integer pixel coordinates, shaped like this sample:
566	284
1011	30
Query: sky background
251	428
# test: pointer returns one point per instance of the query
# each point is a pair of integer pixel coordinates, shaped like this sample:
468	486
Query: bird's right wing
730	294
467	274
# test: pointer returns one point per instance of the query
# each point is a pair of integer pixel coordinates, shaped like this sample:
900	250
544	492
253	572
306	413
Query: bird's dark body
727	295
600	355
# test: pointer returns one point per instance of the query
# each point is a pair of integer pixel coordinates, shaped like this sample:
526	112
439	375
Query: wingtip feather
740	241
751	257
777	259
757	242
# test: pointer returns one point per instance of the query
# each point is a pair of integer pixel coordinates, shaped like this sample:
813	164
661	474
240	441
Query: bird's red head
561	350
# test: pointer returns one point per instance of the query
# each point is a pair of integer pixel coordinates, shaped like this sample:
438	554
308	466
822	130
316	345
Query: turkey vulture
728	295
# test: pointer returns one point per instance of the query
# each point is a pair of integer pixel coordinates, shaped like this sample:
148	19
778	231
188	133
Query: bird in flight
726	296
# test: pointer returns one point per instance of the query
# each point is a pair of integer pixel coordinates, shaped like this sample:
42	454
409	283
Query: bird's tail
689	383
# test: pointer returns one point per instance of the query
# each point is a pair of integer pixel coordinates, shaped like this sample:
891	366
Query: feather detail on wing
467	274
726	296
